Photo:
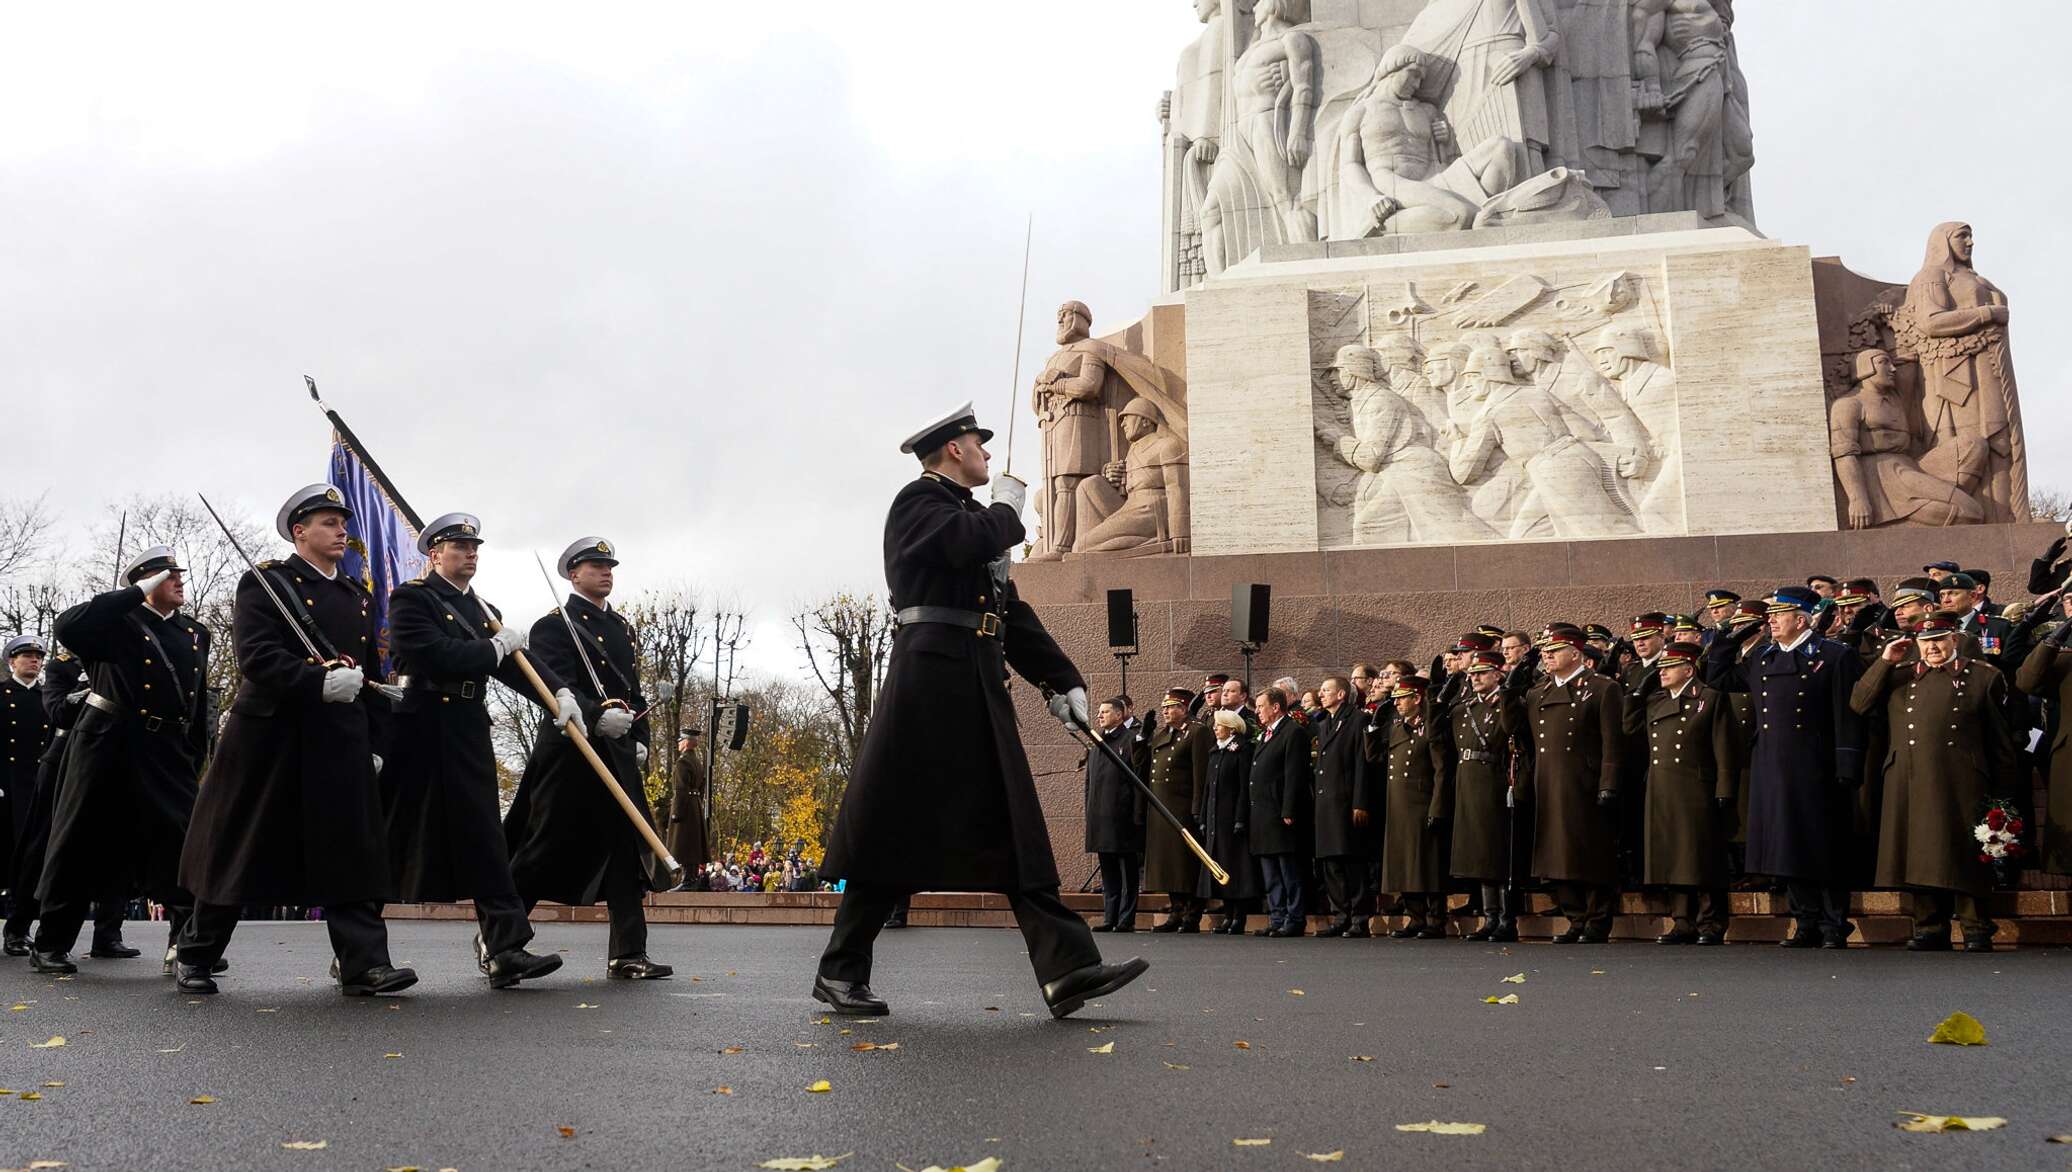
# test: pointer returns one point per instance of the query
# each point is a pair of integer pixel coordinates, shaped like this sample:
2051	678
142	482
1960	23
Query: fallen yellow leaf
53	1084
1360	1058
5	1091
1514	979
31	1096
16	1008
1437	1128
2055	1139
566	1132
1251	1143
202	1100
307	1145
1959	1029
733	1050
392	1054
1242	1045
1506	999
584	1005
1323	1157
1916	1121
1177	1066
1297	993
989	1164
1109	1048
53	1044
39	1165
804	1163
723	1090
821	1087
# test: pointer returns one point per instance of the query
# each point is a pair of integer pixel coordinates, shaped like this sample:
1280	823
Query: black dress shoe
1929	944
637	968
1403	933
14	945
1800	940
50	962
1978	944
896	920
115	950
1286	931
1431	933
1333	932
1571	936
1190	927
1677	938
1170	925
1834	940
1359	931
1504	934
1066	994
508	968
481	954
1482	933
192	978
849	998
1268	930
1709	939
380	979
1102	928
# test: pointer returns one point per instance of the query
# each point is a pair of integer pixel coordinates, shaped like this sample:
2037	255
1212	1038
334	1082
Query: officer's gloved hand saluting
1070	708
147	585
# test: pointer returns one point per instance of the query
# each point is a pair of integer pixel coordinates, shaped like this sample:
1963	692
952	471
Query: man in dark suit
1346	840
941	798
1965	596
1115	816
1281	837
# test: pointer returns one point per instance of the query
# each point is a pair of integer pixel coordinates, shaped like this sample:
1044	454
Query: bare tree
846	640
671	631
25	534
31	607
2050	504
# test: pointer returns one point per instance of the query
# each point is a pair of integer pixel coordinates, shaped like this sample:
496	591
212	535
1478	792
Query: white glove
342	684
571	713
1010	490
377	764
508	638
147	585
640	754
612	723
1070	708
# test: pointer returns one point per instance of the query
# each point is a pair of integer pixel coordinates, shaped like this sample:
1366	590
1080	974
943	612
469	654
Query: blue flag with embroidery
381	544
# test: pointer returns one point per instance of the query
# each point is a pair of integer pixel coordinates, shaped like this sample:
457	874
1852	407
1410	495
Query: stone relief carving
1114	427
1479	113
1951	380
1524	410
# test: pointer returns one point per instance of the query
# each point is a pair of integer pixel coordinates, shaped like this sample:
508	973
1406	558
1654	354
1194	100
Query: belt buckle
989	624
153	723
467	690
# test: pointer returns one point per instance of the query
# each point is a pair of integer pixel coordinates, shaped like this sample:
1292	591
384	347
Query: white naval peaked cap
21	643
452	526
310	498
586	549
151	561
943	428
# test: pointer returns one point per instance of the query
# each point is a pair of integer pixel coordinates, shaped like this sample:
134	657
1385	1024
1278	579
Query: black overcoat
941	798
438	783
121	808
289	811
62	674
1114	805
1281	793
564	829
24	734
1226	803
1336	746
1805	756
2048	673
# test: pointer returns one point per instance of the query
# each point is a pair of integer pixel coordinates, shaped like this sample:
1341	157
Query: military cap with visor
585	549
451	527
310	498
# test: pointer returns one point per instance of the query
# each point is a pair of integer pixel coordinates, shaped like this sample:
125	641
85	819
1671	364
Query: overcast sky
684	274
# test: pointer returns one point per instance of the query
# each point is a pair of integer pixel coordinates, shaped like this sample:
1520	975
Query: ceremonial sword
328	655
1077	727
582	652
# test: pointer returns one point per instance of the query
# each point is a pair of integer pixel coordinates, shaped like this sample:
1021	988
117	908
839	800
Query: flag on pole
381	543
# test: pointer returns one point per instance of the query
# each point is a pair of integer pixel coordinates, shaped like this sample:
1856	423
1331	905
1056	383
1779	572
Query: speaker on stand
1251	605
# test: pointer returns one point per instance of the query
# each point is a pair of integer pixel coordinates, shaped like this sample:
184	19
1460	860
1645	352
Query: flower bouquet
1999	833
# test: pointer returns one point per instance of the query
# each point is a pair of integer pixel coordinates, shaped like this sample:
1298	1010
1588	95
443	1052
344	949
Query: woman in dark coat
1225	803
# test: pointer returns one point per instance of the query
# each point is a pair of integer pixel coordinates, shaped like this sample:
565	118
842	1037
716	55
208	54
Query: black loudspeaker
1122	620
733	726
1249	606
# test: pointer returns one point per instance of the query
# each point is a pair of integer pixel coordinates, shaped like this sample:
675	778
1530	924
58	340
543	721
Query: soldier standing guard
1691	752
289	811
439	787
941	798
1179	770
1807	756
570	841
127	789
1576	716
1951	750
687	806
1420	777
1484	725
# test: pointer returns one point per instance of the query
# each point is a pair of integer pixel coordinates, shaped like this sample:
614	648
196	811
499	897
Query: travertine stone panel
1250	420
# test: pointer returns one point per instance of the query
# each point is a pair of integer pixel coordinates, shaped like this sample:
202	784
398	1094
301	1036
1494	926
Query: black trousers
1119	877
1349	883
108	915
622	904
503	923
359	937
1587	905
1058	939
1424	909
58	929
1694	909
1818	907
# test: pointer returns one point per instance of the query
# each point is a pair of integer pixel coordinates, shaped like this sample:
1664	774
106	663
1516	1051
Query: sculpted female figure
1255	190
1967	378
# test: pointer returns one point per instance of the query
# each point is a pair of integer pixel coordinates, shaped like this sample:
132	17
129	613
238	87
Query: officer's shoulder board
411	582
64	656
270	564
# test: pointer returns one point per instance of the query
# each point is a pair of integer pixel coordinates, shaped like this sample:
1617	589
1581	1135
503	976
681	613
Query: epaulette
64	656
270	564
412	582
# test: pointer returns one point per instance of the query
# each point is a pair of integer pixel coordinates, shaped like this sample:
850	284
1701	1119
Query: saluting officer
941	798
289	811
570	840
1484	836
22	741
1414	837
1576	716
1951	749
1690	751
1720	606
439	786
127	791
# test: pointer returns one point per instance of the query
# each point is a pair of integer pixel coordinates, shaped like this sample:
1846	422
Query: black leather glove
1723	804
1237	828
2056	550
1607	798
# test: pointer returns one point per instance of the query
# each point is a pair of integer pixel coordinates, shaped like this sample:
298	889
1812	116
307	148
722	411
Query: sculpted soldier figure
1068	403
1138	504
1563	491
1967	377
1405	492
1872	439
1687	101
941	798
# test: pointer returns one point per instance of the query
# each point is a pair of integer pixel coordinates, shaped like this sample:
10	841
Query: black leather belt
1479	755
459	689
150	723
985	622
